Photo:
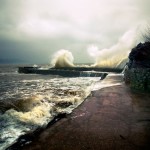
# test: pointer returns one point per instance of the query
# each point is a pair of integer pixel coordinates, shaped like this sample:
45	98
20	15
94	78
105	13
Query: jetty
69	71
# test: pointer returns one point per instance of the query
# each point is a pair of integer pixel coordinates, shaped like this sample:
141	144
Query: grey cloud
78	25
10	13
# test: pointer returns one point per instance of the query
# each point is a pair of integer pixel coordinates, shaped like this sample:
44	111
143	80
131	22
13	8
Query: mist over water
114	57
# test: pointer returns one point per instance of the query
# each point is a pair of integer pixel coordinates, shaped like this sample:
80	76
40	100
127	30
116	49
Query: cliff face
137	71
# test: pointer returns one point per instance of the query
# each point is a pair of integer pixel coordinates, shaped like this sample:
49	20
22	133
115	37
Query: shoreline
112	118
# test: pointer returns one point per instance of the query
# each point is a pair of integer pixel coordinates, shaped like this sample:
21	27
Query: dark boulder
139	56
137	71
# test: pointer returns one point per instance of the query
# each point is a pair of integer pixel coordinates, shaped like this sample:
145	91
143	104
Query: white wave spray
63	58
113	57
117	55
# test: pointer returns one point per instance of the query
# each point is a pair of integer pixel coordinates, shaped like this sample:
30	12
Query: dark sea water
29	101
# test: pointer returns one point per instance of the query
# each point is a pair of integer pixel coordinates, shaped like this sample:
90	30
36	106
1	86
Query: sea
30	101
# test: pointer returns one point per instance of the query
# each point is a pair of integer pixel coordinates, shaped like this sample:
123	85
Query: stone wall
137	71
138	78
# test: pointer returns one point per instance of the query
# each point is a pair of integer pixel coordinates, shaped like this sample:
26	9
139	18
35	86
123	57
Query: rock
137	71
139	56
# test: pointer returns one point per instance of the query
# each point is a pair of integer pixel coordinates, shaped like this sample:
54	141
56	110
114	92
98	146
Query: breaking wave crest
37	102
63	58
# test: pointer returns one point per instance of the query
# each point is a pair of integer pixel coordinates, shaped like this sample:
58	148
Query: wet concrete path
112	118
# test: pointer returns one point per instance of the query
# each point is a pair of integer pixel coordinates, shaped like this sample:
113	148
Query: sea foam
37	102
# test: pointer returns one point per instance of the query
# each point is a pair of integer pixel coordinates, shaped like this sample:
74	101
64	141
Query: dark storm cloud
35	29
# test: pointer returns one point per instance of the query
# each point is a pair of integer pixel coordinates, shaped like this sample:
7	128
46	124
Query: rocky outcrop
137	71
139	57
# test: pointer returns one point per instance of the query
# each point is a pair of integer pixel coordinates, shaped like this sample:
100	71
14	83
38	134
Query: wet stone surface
112	118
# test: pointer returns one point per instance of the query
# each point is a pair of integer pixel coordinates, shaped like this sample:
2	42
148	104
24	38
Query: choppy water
28	101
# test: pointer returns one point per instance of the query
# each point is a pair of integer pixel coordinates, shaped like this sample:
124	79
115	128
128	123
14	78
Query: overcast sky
33	30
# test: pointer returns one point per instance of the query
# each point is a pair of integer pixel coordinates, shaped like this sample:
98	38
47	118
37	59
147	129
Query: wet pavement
111	118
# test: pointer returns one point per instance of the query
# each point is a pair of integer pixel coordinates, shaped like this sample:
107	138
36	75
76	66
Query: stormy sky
32	31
